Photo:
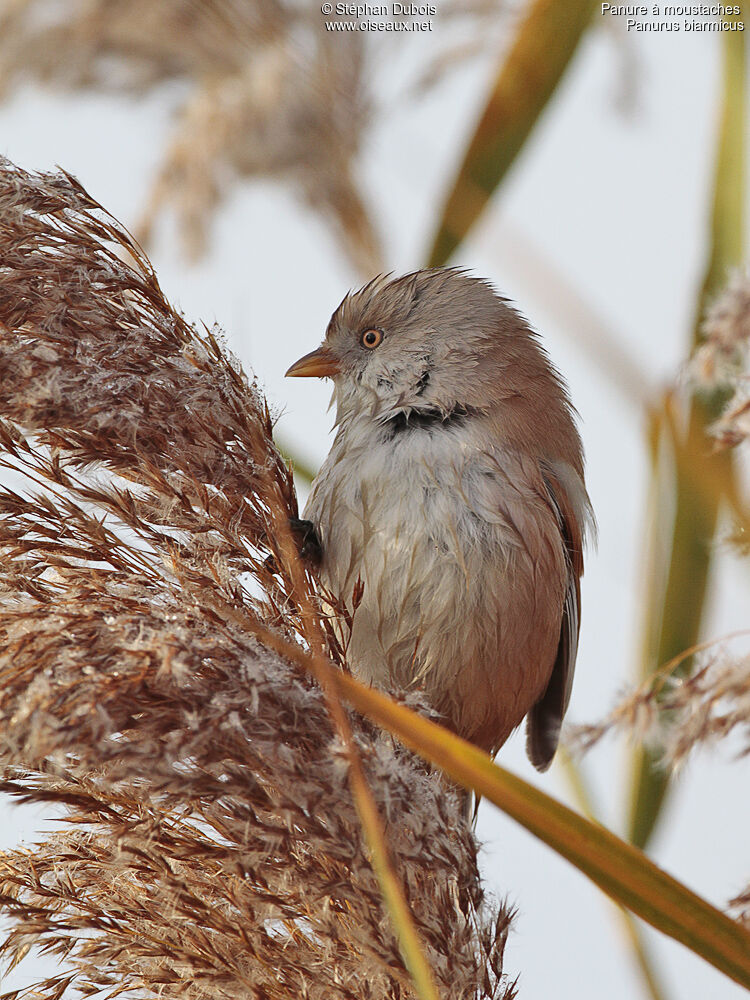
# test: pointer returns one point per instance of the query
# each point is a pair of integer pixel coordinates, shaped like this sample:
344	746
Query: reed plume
209	845
721	360
259	89
264	91
680	713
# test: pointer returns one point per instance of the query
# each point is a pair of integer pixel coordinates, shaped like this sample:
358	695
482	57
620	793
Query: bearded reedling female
454	491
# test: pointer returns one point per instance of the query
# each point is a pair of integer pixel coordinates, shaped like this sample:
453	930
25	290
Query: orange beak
320	363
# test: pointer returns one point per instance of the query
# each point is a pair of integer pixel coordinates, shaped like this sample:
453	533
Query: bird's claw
306	539
308	542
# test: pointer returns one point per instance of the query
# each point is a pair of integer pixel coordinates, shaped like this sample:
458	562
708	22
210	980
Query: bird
450	515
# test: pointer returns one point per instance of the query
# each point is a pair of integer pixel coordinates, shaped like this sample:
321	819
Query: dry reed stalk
210	846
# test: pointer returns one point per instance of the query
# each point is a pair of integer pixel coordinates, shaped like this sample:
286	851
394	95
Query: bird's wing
545	718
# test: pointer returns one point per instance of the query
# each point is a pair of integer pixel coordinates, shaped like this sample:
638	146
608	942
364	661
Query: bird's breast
423	518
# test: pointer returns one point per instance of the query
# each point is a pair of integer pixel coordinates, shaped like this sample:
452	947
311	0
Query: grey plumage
454	491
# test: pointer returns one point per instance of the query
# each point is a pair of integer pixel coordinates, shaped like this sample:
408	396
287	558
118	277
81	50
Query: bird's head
424	342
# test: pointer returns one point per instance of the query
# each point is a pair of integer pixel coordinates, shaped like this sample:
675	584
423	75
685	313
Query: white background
619	204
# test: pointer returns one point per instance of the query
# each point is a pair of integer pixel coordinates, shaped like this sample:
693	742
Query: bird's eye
371	339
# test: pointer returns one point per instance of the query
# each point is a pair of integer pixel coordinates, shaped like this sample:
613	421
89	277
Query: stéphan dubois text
384	9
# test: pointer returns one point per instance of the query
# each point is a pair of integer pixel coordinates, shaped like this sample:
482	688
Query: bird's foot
307	542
